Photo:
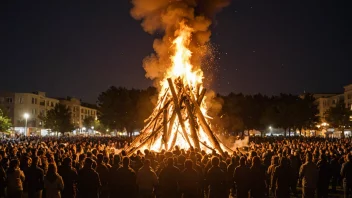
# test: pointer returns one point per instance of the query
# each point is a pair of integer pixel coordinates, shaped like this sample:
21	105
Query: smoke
164	16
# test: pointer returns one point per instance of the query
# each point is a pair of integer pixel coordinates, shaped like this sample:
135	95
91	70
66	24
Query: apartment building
326	101
348	96
33	104
79	110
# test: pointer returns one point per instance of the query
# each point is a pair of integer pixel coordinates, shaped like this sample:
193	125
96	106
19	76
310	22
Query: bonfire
179	117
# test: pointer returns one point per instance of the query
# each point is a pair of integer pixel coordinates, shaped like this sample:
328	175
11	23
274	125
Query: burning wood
181	105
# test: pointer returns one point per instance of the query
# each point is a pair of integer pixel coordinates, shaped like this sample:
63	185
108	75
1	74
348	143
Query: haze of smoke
165	16
234	144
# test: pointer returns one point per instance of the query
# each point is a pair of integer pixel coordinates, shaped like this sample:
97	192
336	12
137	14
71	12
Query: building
348	96
37	104
79	110
326	101
34	104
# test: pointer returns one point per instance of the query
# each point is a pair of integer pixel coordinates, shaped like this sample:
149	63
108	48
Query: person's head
126	161
215	161
147	163
117	159
88	162
5	162
322	157
170	161
82	157
349	157
52	169
309	157
35	161
275	160
14	164
242	161
100	158
67	161
233	160
106	160
256	161
283	161
188	164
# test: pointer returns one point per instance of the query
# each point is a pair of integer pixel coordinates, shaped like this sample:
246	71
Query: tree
307	113
339	116
58	119
5	122
121	108
88	122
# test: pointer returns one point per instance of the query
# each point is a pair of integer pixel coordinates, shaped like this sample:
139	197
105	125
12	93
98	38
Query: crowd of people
93	167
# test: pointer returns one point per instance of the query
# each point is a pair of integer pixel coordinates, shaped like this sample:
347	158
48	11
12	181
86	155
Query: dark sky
80	48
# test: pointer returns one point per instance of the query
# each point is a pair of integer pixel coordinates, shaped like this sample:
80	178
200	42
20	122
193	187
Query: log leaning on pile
173	106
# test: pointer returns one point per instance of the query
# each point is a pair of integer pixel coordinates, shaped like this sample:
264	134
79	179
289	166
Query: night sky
80	48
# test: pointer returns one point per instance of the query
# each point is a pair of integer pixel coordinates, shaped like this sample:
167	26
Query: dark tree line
258	112
122	108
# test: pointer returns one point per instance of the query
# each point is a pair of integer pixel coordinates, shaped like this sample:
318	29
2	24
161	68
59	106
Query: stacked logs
182	103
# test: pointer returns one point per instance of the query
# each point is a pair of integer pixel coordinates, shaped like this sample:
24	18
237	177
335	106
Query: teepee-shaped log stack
177	119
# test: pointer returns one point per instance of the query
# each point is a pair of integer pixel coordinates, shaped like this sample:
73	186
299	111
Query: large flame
182	69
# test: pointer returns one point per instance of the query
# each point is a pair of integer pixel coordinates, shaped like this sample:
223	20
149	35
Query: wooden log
178	110
203	123
144	141
165	135
201	96
171	124
174	139
192	124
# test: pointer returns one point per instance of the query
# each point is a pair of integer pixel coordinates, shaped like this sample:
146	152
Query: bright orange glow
182	71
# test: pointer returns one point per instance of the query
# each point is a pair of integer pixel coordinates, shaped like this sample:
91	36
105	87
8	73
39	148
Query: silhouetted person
190	181
104	176
146	180
2	179
169	180
69	176
335	173
35	179
53	183
270	173
309	175
230	171
346	173
258	179
324	177
88	181
15	179
124	185
216	180
281	179
295	164
241	178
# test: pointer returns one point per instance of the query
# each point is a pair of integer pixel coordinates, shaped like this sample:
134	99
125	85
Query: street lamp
92	129
26	116
271	132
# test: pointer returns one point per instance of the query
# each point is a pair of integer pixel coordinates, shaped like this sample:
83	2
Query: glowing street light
26	116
